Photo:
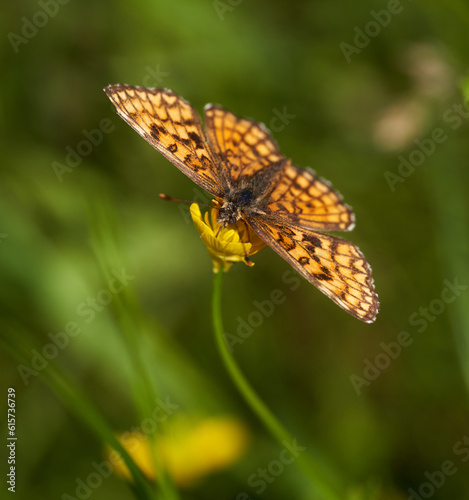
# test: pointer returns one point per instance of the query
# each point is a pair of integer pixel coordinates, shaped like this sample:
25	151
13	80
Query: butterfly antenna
170	198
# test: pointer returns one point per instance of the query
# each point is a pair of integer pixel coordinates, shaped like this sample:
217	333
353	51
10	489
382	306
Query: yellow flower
226	245
190	450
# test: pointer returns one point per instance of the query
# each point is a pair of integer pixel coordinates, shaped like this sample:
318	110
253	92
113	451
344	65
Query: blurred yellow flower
226	245
188	452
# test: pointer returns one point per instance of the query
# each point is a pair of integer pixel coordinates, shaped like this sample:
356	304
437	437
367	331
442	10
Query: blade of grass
451	209
128	316
19	344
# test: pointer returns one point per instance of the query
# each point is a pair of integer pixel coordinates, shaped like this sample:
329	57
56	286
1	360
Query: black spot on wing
198	141
286	243
155	132
287	231
289	245
312	239
186	142
205	161
326	271
322	277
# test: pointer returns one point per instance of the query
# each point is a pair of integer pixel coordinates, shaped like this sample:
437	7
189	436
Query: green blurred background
353	117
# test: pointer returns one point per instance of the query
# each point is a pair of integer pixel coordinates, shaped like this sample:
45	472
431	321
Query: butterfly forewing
296	204
244	147
170	125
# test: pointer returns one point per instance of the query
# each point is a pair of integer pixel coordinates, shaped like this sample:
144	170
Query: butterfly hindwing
302	199
335	266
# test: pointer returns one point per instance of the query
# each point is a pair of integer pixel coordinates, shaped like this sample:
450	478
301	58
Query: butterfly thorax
236	206
249	194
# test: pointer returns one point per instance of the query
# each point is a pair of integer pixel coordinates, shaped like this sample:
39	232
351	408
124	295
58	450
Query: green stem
313	471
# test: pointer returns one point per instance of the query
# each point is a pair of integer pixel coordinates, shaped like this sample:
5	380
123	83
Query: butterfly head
229	213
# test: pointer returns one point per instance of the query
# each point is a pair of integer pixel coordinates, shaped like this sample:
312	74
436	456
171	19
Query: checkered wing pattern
243	147
172	126
302	199
335	266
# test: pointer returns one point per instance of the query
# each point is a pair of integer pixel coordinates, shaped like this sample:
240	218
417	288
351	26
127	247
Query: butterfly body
237	161
248	196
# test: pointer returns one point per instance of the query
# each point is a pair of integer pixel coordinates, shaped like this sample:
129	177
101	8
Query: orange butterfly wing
335	266
298	202
242	146
172	126
302	199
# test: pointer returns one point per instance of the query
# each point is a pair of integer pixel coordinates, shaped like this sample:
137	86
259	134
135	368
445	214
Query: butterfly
237	161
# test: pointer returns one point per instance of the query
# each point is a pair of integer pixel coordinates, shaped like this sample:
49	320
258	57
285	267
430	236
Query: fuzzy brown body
249	196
